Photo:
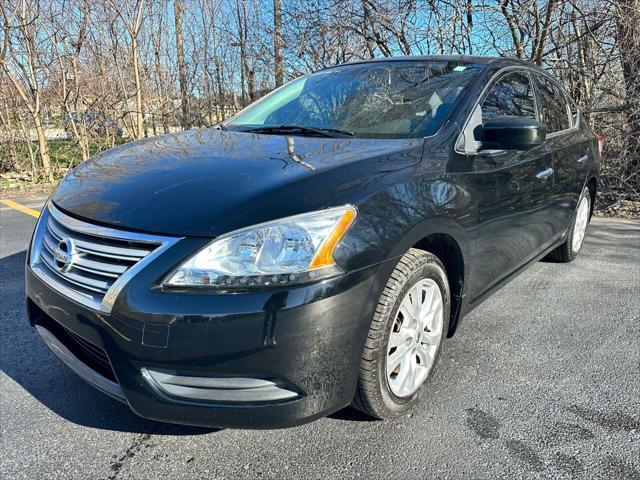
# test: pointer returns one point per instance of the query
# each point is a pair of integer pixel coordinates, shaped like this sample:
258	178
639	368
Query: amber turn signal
324	255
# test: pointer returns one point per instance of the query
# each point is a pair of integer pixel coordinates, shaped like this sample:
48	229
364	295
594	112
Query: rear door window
555	110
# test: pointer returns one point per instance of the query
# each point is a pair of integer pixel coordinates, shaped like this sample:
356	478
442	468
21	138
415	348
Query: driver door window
512	96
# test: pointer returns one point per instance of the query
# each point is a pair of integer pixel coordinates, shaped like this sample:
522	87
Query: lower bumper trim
85	372
222	389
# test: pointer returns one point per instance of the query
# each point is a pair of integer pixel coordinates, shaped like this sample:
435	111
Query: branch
614	109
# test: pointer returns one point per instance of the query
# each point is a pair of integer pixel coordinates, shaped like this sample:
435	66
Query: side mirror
510	133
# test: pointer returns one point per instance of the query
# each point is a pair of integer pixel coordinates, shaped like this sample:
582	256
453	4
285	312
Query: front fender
398	217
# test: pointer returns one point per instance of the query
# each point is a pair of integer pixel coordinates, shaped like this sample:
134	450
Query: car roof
483	60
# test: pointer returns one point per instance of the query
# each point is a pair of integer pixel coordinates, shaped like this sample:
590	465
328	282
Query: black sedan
315	250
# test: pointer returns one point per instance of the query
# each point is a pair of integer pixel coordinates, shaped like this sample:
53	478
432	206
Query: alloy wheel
582	219
414	339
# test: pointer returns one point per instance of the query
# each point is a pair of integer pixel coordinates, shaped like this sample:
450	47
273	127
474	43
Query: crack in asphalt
138	443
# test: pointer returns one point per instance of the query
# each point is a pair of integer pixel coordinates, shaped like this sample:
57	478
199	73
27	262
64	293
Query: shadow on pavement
27	361
601	234
350	414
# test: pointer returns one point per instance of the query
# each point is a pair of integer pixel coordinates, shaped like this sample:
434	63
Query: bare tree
628	36
157	30
529	22
67	46
64	61
131	18
23	67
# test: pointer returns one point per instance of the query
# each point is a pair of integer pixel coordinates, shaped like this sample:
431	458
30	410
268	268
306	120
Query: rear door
569	148
513	188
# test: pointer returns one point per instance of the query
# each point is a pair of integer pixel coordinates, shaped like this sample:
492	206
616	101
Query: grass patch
66	152
17	175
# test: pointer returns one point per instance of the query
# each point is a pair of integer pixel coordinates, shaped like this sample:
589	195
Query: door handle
544	174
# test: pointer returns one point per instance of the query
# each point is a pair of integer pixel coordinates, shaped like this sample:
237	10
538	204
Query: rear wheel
571	247
405	337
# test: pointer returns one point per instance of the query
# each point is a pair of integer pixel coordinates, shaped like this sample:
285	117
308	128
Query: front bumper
306	340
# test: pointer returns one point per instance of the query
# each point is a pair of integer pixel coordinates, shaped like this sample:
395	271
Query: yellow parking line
20	208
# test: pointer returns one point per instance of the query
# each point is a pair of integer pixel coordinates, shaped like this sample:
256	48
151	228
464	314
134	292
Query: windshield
399	99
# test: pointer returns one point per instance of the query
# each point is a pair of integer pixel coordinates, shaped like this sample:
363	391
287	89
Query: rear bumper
259	360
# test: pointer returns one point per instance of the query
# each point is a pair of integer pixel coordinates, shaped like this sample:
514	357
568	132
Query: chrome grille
98	263
88	262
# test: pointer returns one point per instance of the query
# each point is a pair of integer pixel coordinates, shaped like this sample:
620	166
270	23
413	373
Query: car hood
208	182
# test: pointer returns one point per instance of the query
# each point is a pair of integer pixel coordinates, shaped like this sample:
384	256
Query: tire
569	250
380	394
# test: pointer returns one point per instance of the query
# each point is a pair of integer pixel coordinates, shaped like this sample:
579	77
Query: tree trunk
469	25
219	85
538	51
44	147
32	155
162	92
513	29
584	80
178	9
156	36
136	77
249	73
277	42
136	70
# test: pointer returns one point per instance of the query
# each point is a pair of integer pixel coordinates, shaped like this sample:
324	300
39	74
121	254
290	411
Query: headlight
283	252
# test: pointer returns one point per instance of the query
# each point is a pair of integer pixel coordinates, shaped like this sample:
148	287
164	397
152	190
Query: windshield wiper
325	132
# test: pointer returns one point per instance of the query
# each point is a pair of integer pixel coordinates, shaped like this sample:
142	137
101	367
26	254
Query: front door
513	190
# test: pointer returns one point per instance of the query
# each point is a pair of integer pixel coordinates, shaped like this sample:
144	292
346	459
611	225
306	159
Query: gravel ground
541	381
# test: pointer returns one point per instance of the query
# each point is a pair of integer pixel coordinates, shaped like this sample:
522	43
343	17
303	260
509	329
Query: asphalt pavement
541	381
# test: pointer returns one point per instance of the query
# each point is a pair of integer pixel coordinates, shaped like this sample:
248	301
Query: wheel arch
449	251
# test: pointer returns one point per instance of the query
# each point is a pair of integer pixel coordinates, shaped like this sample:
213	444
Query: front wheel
569	250
405	337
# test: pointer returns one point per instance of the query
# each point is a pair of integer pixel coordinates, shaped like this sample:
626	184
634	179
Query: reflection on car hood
208	182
